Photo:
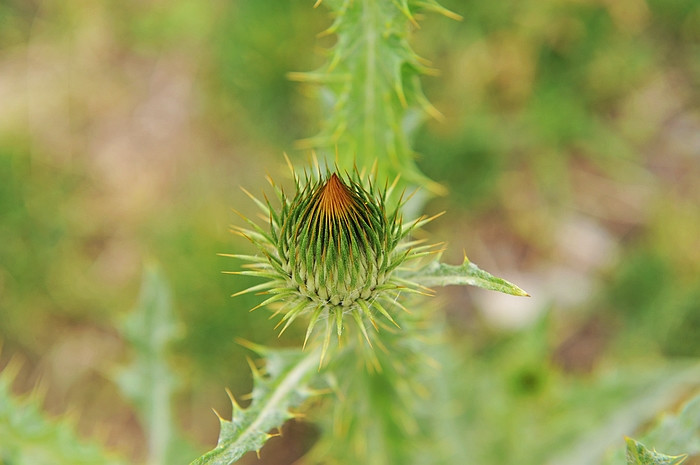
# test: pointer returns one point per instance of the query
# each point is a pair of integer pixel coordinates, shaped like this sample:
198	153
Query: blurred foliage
149	380
672	432
536	83
126	127
250	66
638	454
28	437
532	411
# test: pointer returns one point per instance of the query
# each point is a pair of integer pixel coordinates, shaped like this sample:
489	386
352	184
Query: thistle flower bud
332	250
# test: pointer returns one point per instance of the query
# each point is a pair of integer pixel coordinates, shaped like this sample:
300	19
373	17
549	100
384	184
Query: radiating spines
329	253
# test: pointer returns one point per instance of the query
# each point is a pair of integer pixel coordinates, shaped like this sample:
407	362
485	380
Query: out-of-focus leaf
679	432
639	454
27	437
657	394
149	382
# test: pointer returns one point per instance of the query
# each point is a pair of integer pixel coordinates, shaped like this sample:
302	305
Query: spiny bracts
333	250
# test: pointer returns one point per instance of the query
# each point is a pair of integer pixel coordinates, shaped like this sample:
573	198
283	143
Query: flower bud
332	251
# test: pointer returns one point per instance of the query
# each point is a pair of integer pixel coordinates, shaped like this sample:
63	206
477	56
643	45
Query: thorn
407	12
422	220
234	403
314	160
384	312
408	286
290	166
402	96
339	323
297	415
312	323
239	213
373	362
257	348
360	323
433	112
247	193
271	300
259	287
240	233
287	324
276	312
451	14
326	343
393	185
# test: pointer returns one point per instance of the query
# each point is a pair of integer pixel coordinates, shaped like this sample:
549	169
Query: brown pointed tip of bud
335	198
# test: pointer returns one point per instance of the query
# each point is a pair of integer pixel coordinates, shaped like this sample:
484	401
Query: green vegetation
563	136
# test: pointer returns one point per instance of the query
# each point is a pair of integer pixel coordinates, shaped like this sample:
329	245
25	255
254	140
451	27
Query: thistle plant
338	250
338	255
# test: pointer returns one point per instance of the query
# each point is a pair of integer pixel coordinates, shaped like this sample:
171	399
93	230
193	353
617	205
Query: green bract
331	251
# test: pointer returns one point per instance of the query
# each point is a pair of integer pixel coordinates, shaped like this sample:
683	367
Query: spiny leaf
680	431
441	274
148	381
27	437
638	454
375	96
287	383
677	432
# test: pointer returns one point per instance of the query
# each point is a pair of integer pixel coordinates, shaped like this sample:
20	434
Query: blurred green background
570	148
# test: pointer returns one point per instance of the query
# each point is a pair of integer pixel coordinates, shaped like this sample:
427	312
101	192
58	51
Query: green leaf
148	381
440	274
638	454
373	96
633	397
28	437
286	385
681	431
678	432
